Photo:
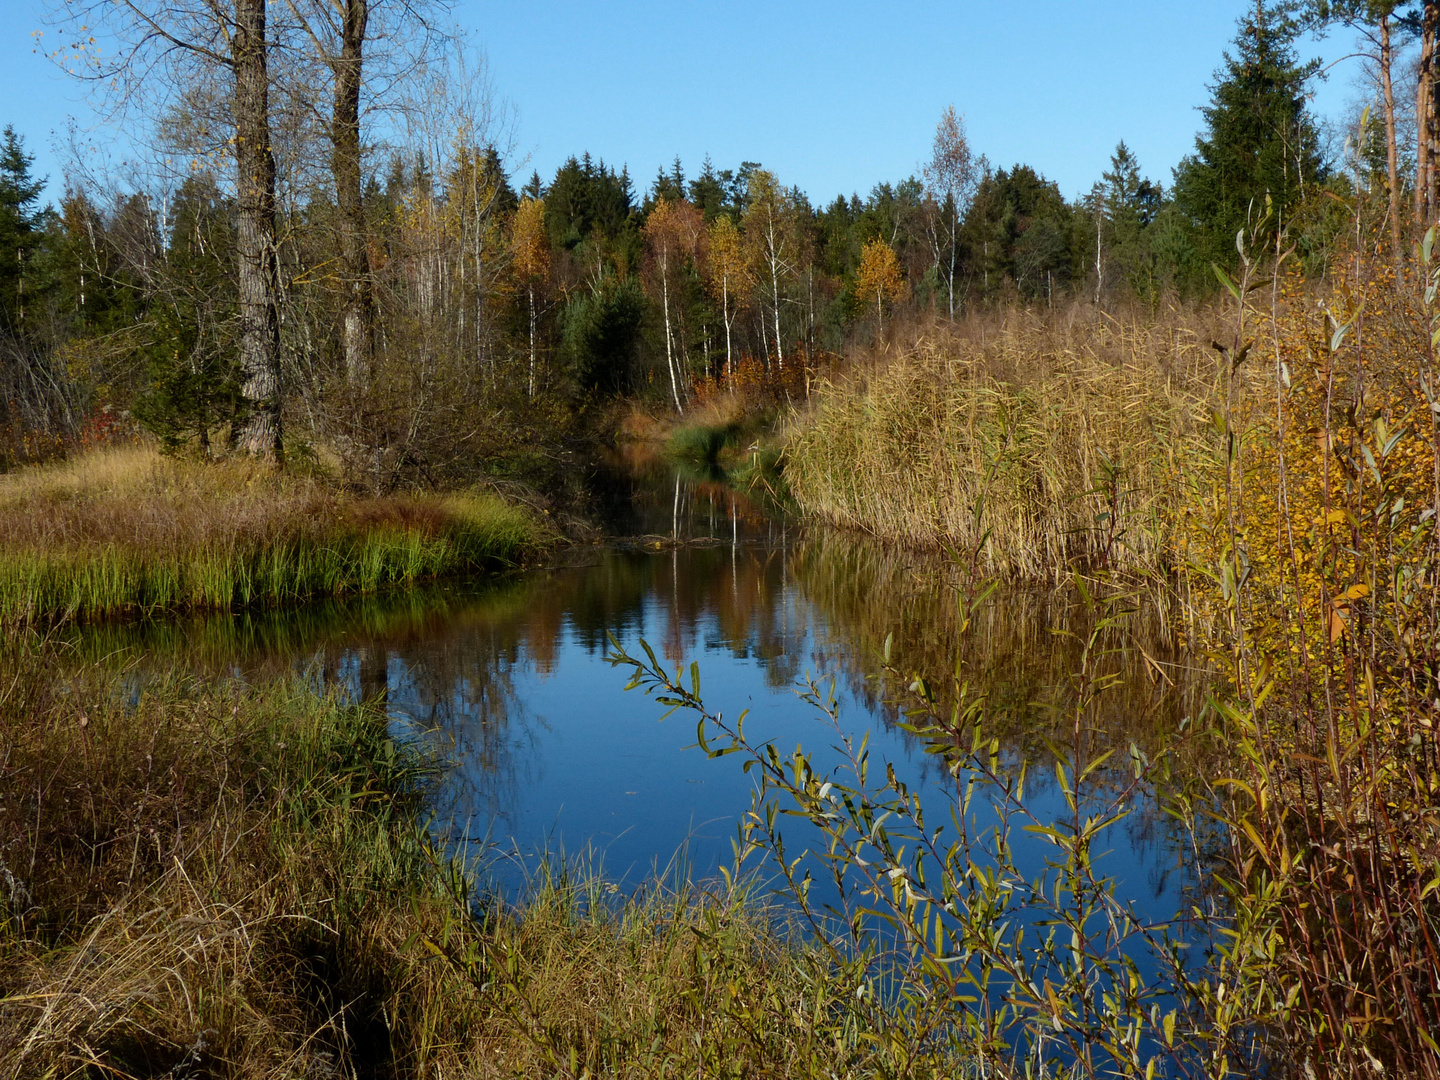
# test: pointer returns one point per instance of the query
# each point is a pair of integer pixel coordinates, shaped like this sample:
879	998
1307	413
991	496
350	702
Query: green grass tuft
145	535
701	444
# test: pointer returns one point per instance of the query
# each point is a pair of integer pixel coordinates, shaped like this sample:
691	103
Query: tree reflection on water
481	667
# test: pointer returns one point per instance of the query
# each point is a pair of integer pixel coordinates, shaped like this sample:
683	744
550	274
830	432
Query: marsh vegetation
1099	536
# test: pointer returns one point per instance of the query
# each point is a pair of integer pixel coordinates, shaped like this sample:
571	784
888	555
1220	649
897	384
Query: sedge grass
128	531
700	444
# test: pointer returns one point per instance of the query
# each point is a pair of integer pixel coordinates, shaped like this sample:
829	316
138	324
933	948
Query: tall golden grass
1281	455
1027	440
127	530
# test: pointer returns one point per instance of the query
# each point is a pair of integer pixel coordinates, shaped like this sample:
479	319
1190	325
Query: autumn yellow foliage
1316	521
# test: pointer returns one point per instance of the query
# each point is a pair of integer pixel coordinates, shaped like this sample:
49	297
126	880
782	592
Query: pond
550	754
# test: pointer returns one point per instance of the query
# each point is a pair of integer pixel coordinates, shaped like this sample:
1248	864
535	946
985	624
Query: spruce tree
1131	204
1259	138
21	227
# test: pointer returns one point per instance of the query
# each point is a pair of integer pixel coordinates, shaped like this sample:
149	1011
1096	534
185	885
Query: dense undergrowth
127	530
1270	468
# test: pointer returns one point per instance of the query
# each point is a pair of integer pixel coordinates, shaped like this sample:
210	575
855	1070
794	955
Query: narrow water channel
550	755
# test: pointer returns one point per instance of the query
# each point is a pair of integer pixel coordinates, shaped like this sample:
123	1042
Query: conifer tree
1259	138
707	191
1131	203
21	226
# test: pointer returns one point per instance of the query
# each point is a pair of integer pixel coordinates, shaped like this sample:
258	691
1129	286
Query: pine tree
191	375
21	227
707	191
1259	138
1131	204
1019	231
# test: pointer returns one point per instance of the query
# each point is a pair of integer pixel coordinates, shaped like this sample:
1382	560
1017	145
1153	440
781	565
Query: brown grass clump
197	879
125	530
1032	441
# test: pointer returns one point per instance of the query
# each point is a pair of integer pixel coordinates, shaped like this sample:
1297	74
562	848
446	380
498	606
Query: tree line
392	293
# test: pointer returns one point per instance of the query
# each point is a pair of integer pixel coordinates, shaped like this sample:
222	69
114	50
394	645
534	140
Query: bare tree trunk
259	286
1392	150
725	309
669	337
354	241
530	291
1425	118
950	280
1099	250
775	294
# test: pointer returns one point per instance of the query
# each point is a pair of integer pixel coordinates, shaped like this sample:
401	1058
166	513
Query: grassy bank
721	430
216	880
1275	466
129	531
1032	438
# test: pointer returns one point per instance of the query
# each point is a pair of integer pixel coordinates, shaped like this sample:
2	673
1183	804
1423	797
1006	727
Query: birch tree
772	239
728	276
530	259
673	235
951	176
168	49
879	279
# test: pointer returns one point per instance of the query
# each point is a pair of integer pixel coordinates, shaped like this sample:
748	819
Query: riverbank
127	530
209	878
732	431
1287	505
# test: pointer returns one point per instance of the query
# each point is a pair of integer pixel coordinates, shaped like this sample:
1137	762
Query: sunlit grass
208	878
129	531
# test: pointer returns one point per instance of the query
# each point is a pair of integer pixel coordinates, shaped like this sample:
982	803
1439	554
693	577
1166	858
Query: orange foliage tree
728	276
879	277
674	237
530	261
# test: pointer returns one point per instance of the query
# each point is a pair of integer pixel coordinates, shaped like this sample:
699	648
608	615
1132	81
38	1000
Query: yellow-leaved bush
1316	521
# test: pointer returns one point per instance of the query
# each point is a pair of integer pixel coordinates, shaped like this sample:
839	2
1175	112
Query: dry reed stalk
1034	443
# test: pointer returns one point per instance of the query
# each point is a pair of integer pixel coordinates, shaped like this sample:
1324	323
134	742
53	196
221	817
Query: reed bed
205	878
1025	443
126	531
1286	467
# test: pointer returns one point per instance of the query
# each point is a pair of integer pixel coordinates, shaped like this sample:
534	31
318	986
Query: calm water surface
550	754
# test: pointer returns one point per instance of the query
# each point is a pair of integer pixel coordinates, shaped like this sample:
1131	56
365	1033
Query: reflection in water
550	753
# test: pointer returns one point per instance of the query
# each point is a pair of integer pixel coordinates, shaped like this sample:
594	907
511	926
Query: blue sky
834	96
